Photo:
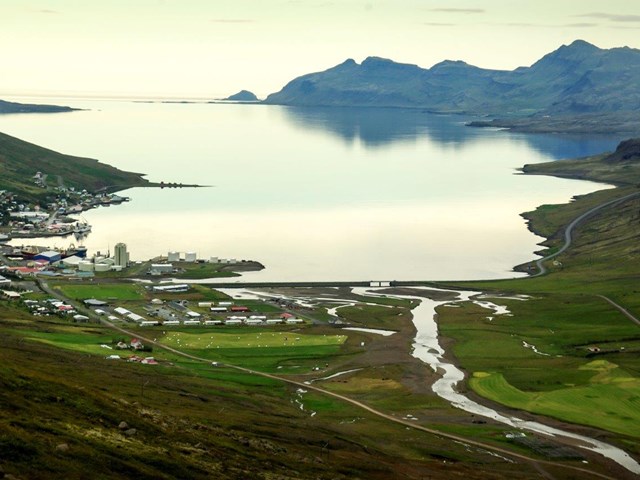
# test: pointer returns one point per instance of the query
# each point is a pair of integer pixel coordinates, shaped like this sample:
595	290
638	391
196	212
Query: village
22	218
109	289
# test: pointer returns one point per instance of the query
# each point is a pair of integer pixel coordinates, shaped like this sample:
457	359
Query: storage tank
214	260
190	257
102	267
85	266
173	257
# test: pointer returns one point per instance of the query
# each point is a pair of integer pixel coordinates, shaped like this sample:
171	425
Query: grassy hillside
20	160
564	351
62	406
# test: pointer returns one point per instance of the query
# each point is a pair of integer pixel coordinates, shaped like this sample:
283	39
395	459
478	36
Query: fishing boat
79	251
82	227
31	251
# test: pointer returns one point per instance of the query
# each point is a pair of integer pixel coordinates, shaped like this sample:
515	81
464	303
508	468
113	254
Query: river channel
427	348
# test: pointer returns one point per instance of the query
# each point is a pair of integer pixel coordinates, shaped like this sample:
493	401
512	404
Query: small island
242	96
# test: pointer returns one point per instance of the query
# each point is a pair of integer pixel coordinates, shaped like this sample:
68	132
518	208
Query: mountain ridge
578	78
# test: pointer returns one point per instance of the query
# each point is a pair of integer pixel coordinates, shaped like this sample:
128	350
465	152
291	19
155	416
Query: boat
79	251
82	227
31	251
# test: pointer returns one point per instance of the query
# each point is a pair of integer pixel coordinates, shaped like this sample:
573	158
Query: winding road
623	310
568	238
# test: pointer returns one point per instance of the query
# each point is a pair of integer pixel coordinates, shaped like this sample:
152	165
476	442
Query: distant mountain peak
449	64
582	44
374	59
576	78
577	48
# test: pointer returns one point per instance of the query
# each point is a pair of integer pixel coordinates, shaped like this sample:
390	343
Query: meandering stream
428	349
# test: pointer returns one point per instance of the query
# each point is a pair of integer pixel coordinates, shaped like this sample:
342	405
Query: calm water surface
315	193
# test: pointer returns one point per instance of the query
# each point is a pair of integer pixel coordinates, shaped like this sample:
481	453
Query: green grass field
105	291
565	317
264	350
612	397
88	340
256	339
562	377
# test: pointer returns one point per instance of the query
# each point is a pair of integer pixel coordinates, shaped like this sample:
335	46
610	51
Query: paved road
624	311
569	230
492	448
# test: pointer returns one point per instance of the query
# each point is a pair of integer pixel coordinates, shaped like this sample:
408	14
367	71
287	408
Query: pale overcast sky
210	48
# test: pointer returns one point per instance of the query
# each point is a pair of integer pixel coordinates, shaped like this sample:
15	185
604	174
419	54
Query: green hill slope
20	161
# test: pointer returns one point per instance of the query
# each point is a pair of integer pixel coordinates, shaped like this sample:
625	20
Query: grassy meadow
585	368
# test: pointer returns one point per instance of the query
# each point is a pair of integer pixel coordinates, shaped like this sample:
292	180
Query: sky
213	48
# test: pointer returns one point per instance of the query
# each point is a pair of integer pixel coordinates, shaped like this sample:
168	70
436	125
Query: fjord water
315	193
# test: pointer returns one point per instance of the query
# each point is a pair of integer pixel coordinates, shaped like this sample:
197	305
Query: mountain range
575	79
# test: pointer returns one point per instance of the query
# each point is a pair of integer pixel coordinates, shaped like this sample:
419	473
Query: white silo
102	267
190	257
173	257
85	266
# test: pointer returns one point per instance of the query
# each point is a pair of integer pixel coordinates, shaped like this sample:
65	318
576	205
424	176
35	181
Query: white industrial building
173	288
161	267
121	256
72	261
136	318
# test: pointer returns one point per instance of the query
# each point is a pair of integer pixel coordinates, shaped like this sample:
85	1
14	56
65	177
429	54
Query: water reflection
380	127
316	193
377	127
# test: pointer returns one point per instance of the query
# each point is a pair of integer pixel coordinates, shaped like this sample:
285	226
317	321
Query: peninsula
13	107
37	184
